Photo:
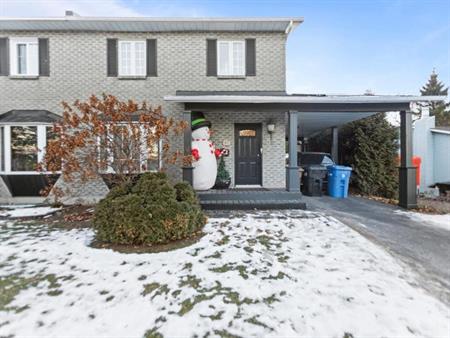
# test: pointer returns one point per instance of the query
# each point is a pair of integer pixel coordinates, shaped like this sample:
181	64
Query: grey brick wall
78	69
273	152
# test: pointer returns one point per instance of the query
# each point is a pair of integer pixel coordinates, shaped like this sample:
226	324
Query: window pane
140	58
125	149
238	58
32	59
247	133
153	158
52	136
224	61
2	150
125	58
23	148
21	58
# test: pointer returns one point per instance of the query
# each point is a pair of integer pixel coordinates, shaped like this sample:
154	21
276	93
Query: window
247	133
231	58
124	151
22	147
132	58
24	56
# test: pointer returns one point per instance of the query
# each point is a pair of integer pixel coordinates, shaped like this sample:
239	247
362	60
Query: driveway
424	247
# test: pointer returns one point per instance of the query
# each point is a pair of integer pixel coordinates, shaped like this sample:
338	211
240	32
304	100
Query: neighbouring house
432	145
231	69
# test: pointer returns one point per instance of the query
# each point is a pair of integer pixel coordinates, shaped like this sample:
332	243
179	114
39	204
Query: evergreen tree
222	173
370	146
438	109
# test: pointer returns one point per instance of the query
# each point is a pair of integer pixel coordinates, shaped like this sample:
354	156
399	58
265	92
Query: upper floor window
231	58
132	58
24	56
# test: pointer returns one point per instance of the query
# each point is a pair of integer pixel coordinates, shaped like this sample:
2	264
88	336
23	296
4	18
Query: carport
307	114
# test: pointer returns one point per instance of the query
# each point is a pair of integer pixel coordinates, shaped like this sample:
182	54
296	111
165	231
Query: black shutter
211	57
4	57
44	59
250	57
151	58
112	64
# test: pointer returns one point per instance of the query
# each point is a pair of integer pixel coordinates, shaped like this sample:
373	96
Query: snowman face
201	133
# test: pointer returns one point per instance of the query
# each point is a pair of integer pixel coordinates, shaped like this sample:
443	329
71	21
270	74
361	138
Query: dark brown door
248	159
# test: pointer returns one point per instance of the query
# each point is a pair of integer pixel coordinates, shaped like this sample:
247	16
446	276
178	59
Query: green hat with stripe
198	120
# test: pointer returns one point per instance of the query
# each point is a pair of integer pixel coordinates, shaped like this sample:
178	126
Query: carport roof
316	112
280	101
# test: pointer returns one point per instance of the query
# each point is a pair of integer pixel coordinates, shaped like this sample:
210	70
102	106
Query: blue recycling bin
338	180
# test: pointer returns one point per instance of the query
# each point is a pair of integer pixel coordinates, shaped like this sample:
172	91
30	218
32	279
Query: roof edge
157	19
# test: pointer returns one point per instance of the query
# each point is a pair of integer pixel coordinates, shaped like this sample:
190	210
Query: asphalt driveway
425	248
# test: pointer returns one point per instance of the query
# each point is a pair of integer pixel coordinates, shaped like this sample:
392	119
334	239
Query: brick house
233	70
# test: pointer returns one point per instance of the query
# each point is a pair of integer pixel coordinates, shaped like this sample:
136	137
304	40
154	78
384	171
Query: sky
343	46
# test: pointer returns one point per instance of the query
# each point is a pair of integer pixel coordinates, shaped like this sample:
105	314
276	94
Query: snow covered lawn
291	273
440	221
26	211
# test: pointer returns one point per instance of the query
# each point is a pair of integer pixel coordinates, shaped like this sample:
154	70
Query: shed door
248	159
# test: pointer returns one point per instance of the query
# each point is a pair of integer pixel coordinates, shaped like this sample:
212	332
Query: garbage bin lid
339	167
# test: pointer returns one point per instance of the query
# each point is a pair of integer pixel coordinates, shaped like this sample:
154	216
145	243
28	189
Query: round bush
151	211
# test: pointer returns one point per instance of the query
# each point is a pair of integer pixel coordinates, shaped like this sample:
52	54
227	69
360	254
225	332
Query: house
231	69
432	145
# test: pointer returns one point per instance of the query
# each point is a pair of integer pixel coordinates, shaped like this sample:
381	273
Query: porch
305	114
250	199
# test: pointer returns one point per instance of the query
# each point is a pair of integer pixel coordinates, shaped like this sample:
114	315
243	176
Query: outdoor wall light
270	128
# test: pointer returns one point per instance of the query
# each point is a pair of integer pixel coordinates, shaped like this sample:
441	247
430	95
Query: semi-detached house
231	69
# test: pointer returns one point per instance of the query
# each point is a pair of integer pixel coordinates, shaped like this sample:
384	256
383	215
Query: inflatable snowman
203	152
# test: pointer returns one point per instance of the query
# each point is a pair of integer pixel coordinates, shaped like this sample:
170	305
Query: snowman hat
199	120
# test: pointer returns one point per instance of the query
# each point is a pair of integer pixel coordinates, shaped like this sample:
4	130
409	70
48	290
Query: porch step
252	199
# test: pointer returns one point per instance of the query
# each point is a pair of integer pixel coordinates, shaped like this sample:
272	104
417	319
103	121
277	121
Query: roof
441	130
234	97
28	116
283	102
147	24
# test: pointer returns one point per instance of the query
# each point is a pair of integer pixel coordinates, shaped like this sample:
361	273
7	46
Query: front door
248	159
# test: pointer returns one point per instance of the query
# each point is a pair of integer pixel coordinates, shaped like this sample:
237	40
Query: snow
440	221
28	211
290	273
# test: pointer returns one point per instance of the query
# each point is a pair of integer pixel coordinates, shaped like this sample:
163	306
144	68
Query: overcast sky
344	46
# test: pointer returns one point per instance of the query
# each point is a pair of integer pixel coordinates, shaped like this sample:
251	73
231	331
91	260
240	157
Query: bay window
231	58
127	152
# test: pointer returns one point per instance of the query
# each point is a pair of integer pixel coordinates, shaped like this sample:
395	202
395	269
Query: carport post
292	177
334	145
407	172
187	168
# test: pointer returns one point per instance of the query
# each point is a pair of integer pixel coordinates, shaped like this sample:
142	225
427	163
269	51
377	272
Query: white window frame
41	131
230	72
143	154
133	71
32	56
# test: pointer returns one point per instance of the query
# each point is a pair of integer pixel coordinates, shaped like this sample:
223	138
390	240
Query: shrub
185	193
370	146
149	211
